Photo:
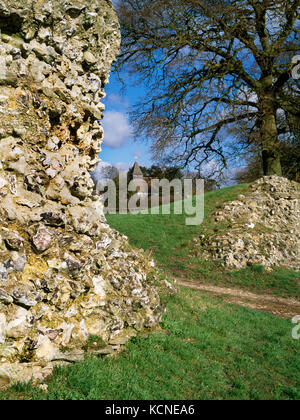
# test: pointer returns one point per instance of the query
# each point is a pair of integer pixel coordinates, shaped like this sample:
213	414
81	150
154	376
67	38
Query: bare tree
214	68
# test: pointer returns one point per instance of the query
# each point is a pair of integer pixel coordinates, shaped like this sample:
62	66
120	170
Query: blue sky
118	147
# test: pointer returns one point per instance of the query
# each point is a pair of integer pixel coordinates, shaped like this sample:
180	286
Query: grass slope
207	350
169	240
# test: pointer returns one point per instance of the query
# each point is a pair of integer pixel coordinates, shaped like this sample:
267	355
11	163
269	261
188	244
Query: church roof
137	170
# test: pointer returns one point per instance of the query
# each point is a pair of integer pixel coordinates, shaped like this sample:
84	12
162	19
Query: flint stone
5	297
2	328
46	349
53	219
42	240
3	272
13	241
18	326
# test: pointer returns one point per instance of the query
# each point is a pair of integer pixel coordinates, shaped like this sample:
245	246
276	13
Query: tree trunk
269	137
271	163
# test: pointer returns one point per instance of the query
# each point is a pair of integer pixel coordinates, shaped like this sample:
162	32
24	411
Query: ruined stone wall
259	228
64	274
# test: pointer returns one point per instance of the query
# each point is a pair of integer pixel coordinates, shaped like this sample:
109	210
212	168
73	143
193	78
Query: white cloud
122	166
117	129
210	168
117	101
137	154
104	170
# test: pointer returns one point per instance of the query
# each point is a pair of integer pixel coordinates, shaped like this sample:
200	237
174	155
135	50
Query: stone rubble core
64	274
264	227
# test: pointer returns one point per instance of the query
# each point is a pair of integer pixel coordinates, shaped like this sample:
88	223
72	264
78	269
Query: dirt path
283	308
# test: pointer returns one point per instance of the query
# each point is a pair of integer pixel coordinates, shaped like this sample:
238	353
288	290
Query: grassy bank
206	349
170	241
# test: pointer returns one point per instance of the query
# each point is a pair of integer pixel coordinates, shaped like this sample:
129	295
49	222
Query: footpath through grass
206	350
170	241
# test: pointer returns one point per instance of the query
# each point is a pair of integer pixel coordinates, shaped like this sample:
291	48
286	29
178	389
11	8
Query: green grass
207	350
170	242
